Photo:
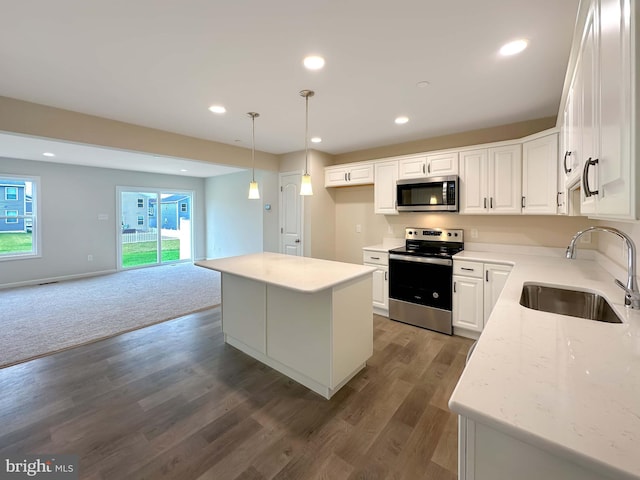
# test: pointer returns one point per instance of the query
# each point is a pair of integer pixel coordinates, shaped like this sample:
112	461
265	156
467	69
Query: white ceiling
161	63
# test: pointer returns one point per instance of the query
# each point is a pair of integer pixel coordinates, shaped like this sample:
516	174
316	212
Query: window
19	232
11	193
140	220
183	207
141	203
11	216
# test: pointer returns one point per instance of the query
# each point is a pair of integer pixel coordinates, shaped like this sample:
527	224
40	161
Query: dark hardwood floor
172	401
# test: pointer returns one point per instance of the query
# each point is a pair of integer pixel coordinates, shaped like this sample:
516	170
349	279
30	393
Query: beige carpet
43	319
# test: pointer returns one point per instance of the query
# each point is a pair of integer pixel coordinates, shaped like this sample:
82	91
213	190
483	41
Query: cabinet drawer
468	269
377	258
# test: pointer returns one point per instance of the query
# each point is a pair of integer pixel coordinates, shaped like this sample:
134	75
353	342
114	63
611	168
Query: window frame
10	216
32	217
6	194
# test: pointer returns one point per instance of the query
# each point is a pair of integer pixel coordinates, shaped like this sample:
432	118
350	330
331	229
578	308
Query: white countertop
302	274
567	385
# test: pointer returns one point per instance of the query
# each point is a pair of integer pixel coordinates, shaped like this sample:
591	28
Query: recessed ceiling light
316	139
423	84
49	154
514	47
217	109
401	120
313	62
183	169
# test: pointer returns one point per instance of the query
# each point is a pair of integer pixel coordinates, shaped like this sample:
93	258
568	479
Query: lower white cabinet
485	453
476	288
380	260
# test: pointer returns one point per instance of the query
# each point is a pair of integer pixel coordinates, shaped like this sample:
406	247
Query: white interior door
290	214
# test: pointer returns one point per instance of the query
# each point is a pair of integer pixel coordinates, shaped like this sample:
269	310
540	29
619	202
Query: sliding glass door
155	227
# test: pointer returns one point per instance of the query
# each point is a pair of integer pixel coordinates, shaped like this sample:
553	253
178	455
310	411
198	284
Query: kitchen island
310	319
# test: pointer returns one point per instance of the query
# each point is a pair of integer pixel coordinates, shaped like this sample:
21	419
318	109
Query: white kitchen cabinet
360	173
599	111
485	453
380	260
476	288
429	165
384	187
490	180
539	175
495	276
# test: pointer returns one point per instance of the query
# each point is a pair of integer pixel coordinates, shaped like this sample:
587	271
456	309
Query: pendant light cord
306	134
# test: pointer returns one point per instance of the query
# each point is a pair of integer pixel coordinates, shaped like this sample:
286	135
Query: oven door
422	280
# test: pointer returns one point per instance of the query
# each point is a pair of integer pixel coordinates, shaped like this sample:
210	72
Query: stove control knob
436	295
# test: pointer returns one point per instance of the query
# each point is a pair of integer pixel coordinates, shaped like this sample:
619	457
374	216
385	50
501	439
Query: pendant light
305	186
254	193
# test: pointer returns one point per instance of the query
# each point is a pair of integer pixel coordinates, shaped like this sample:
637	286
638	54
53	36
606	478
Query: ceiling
162	63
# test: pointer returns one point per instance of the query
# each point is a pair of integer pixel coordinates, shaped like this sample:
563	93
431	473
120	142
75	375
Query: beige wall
27	118
354	206
473	137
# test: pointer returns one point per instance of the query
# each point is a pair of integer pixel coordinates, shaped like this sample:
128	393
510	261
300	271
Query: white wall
235	224
71	198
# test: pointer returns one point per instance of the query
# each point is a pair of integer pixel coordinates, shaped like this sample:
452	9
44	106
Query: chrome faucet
632	296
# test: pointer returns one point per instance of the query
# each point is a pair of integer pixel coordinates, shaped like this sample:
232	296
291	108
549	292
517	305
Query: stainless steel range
420	274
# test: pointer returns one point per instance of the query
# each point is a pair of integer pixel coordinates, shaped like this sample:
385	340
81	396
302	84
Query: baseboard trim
41	281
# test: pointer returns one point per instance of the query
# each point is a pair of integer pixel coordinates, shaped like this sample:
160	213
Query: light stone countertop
567	385
302	274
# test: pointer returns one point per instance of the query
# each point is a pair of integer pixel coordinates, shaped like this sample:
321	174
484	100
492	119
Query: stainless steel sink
574	303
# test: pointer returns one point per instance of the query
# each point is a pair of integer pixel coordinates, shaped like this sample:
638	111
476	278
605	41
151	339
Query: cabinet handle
523	201
428	168
559	203
564	162
423	168
585	178
468	269
345	177
454	287
375	258
386	276
485	202
486	275
491	202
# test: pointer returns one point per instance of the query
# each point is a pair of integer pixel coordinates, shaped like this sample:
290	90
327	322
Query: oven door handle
411	258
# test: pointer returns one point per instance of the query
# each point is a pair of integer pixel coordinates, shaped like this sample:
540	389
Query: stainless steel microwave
435	194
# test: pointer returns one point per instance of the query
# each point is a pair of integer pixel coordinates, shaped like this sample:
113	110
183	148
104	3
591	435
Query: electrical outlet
585	238
89	258
358	228
474	233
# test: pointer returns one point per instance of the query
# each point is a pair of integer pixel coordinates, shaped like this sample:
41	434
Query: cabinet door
589	127
495	276
414	167
384	188
615	162
442	164
505	177
360	174
539	169
467	303
335	177
473	181
381	288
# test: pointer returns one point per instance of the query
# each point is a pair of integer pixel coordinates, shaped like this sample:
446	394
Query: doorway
291	214
155	227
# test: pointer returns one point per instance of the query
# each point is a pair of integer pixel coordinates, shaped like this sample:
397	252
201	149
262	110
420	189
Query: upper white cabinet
539	175
430	165
599	111
349	174
384	188
490	180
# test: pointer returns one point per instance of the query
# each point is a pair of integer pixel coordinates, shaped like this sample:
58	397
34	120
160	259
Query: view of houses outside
153	233
16	217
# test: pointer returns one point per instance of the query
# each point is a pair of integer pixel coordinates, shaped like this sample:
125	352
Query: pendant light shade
254	192
305	185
